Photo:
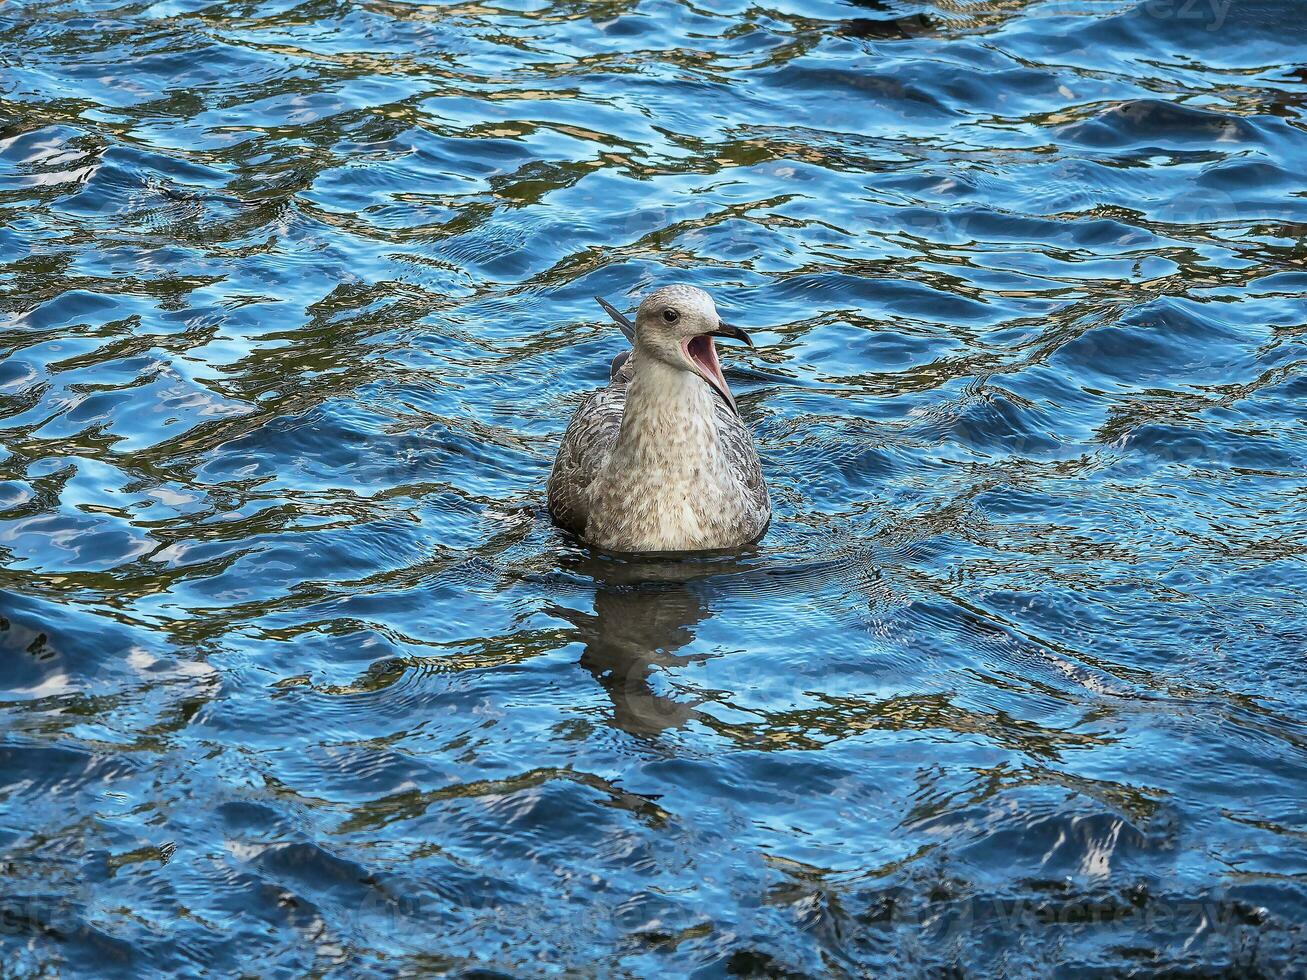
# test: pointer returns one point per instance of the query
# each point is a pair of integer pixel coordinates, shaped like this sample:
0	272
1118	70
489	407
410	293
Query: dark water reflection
644	614
295	677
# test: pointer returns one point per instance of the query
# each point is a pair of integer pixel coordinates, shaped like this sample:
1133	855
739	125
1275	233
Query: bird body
660	460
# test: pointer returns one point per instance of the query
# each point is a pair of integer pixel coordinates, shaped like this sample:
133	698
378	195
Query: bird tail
628	328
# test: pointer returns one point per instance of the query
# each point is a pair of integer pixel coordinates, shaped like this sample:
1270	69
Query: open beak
702	353
731	331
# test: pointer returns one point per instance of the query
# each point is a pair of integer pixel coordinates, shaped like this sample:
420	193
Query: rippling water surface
295	301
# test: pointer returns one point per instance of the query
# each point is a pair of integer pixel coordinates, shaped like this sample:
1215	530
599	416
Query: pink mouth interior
703	353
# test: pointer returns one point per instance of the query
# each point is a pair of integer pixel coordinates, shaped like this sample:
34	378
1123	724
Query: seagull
660	459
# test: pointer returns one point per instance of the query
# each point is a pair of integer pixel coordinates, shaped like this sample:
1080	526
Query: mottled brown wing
586	445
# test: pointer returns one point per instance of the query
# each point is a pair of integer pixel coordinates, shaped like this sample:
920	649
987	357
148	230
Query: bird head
677	325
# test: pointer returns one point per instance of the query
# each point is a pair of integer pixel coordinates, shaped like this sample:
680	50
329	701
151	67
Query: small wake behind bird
660	460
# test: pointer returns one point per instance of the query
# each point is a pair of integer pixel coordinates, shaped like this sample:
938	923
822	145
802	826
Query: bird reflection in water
645	614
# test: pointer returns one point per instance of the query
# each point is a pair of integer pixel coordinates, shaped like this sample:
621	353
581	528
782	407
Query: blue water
295	301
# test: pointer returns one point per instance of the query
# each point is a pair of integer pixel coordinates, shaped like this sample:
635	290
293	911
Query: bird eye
670	315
